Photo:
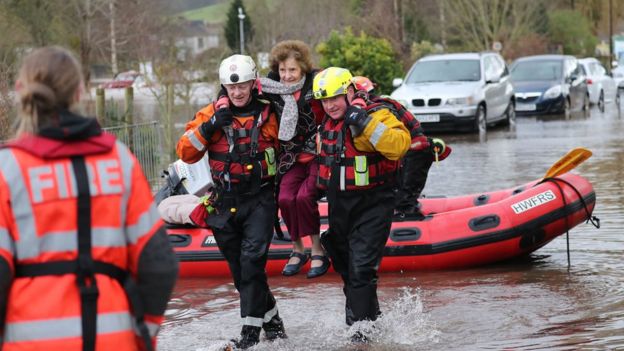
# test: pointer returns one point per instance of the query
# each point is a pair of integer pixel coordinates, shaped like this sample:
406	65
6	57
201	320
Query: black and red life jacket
242	153
343	168
419	140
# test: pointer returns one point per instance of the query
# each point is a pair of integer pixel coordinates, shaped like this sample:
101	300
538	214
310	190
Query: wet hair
47	82
296	49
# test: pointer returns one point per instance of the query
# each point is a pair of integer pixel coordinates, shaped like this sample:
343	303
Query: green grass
216	13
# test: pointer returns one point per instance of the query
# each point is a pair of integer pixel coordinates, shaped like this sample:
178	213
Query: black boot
249	337
274	329
359	338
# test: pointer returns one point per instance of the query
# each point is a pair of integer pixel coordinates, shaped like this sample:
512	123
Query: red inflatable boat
457	232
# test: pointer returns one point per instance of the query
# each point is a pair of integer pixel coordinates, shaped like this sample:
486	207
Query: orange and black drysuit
243	164
359	174
417	161
85	262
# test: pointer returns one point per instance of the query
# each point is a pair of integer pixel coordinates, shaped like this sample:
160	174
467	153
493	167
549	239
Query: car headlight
553	92
463	101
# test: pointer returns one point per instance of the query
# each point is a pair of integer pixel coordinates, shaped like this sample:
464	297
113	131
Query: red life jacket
244	154
419	140
343	167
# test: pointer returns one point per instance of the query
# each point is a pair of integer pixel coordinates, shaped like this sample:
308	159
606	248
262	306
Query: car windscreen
544	70
444	71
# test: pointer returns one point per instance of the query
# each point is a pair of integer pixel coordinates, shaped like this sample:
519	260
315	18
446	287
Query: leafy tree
362	55
572	31
232	32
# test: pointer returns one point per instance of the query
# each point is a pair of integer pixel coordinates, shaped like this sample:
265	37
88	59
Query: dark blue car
549	84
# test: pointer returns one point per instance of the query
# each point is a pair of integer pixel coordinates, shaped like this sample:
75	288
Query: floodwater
538	303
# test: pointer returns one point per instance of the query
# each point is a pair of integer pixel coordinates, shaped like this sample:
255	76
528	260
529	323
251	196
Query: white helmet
237	69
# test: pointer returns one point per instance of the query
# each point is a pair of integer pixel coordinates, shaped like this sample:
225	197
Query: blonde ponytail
49	79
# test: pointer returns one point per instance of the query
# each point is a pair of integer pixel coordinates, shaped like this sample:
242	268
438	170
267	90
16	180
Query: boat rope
595	221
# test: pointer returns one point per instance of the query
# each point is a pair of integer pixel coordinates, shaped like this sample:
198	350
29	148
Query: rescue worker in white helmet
359	155
419	158
241	141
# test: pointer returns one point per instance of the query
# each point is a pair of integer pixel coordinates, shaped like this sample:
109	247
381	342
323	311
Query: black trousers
412	178
244	241
359	228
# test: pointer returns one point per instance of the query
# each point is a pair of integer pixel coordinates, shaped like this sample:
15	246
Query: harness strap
350	162
85	276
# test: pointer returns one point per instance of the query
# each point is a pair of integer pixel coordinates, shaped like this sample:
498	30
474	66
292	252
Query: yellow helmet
330	82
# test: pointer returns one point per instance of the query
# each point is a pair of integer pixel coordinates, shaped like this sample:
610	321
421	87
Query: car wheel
480	123
510	114
601	101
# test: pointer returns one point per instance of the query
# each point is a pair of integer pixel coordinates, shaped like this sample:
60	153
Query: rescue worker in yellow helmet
359	153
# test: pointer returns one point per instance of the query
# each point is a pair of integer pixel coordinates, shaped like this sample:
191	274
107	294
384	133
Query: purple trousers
297	200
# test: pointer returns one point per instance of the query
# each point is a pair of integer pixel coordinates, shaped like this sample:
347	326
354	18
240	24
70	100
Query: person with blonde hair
85	262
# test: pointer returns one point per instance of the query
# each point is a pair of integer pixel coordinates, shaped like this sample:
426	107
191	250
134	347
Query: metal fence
145	142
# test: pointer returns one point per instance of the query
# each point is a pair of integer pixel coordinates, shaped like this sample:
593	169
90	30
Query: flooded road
534	304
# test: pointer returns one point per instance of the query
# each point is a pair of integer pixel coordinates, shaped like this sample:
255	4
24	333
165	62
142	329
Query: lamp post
241	17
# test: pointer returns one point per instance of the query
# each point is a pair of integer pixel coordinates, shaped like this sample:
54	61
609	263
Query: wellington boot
274	329
249	337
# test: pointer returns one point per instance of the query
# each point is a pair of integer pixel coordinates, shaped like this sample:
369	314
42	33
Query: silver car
454	92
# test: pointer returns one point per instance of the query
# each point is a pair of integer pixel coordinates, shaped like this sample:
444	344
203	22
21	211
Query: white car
602	87
452	92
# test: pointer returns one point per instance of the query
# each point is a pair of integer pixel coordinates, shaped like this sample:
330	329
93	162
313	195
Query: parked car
618	72
549	84
121	80
452	92
600	85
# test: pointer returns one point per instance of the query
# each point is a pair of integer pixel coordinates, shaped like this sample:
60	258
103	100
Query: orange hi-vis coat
192	145
38	224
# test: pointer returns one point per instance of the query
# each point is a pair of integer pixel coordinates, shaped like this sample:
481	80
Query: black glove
222	118
357	119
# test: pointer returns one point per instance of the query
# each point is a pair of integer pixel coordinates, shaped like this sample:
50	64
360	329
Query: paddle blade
572	159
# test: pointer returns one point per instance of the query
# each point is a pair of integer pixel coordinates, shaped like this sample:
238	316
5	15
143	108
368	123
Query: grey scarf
288	120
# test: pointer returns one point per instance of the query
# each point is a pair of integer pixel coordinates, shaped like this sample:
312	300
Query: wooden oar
568	162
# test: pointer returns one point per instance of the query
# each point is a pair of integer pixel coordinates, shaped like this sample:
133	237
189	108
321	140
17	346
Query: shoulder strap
85	274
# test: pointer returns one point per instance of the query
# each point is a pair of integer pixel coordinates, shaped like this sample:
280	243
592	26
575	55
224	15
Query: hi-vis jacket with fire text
254	139
363	162
88	261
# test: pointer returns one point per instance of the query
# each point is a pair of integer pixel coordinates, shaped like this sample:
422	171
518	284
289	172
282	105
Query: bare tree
479	23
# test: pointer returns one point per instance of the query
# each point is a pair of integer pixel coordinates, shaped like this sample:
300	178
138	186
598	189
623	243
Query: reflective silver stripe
68	241
380	128
253	321
6	243
270	314
152	328
144	224
127	165
190	134
108	178
62	328
20	203
342	178
59	171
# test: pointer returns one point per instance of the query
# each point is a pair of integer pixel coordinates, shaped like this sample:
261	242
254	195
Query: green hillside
216	13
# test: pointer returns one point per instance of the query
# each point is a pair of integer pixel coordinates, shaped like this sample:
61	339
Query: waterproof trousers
412	178
244	241
359	225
